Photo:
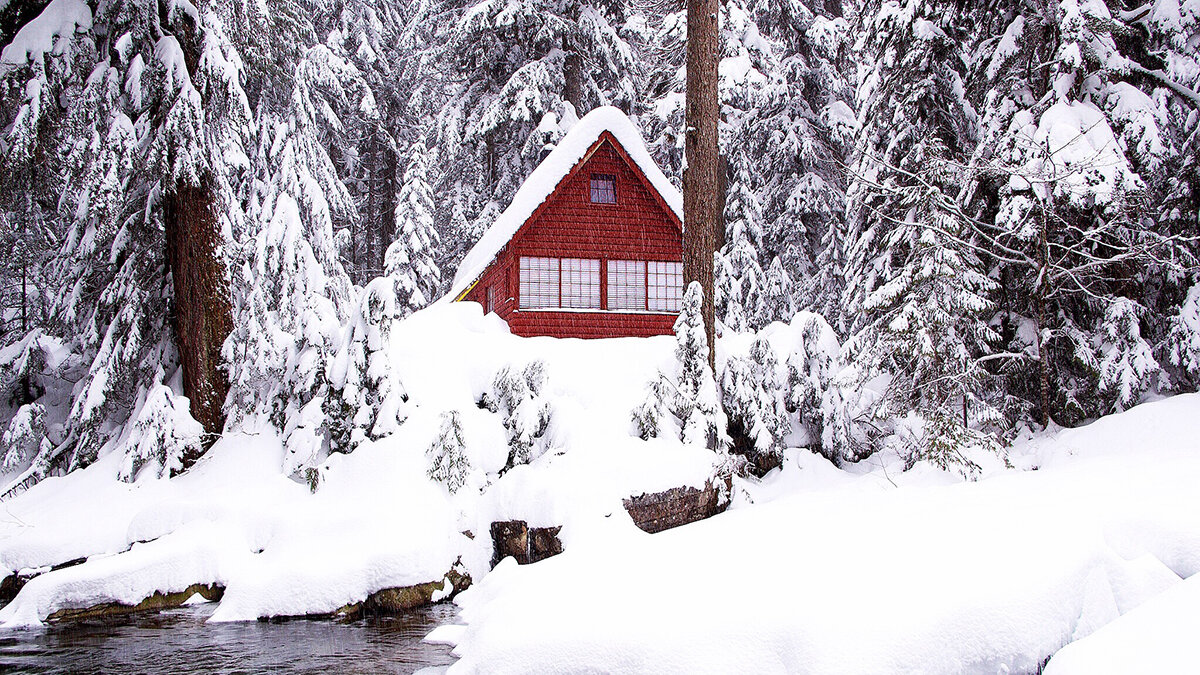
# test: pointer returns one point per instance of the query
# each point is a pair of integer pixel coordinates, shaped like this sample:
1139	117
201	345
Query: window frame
592	188
638	271
670	272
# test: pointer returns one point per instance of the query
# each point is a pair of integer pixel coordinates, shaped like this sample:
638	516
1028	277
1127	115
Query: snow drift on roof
549	173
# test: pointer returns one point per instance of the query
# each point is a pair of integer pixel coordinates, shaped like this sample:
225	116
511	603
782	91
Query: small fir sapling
754	398
650	416
24	437
691	396
371	396
411	260
696	402
518	397
1182	345
448	461
163	434
1127	365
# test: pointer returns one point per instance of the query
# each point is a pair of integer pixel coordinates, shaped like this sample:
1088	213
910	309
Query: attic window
604	189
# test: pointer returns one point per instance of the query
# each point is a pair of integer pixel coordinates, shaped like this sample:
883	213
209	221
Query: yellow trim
468	290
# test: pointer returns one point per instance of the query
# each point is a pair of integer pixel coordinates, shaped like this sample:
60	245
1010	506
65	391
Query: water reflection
179	642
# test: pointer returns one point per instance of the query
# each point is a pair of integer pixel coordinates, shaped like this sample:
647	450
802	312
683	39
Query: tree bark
700	181
203	315
573	87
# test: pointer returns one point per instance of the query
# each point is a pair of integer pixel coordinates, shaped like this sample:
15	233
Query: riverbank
183	642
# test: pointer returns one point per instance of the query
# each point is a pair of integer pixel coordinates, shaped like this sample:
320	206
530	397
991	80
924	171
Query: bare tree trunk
203	315
1043	357
387	213
700	182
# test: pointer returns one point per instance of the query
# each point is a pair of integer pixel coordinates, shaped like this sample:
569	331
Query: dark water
179	642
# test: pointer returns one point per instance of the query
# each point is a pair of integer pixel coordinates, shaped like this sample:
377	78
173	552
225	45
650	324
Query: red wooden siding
568	225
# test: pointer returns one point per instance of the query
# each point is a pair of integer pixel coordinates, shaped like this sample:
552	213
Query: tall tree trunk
573	74
700	184
203	315
387	213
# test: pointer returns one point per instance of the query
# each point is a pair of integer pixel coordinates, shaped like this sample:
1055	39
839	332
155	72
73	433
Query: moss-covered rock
156	602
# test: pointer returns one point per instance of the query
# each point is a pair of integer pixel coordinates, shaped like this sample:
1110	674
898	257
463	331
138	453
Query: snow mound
546	177
376	519
1157	637
864	576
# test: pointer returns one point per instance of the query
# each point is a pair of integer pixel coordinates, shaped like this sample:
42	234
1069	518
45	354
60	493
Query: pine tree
448	462
368	399
1127	365
1182	345
695	404
412	258
504	66
739	282
519	397
754	397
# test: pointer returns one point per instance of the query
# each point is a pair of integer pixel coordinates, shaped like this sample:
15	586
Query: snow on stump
658	511
514	538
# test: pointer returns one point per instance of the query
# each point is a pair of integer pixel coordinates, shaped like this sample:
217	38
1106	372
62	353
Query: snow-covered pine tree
503	66
696	404
162	435
753	393
447	457
519	397
368	398
292	290
1127	365
738	287
411	262
1074	156
916	290
1182	345
145	148
811	367
685	402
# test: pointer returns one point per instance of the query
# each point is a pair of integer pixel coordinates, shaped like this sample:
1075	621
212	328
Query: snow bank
1157	637
376	520
541	183
863	576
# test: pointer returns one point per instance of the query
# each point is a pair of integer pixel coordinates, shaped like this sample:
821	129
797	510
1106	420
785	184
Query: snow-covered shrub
163	434
371	398
1127	365
518	396
753	393
652	413
24	437
1183	340
448	461
810	370
691	396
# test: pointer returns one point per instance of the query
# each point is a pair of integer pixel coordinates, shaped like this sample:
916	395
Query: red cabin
591	245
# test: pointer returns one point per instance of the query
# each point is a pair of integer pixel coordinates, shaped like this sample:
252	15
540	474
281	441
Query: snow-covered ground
827	571
376	521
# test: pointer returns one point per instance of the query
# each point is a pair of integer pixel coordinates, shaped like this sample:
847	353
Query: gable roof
575	146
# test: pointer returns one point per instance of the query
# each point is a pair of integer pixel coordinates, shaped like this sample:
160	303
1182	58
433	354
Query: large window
539	282
626	284
664	286
553	282
580	283
574	283
604	189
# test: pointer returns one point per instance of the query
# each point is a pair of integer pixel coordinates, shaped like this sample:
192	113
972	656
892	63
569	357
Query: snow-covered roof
545	178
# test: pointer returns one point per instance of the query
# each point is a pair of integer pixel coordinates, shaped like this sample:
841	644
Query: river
179	642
